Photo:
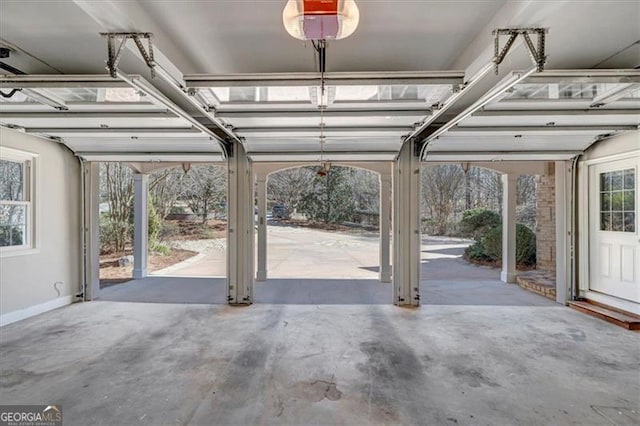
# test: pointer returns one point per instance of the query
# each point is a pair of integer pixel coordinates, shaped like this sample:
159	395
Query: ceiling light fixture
320	19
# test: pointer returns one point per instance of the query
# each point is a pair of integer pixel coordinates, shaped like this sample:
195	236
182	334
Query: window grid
617	201
15	203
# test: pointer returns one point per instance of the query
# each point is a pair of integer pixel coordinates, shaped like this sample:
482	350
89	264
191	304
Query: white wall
620	144
27	280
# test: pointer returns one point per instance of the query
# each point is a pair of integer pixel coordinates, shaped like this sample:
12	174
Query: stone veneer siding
546	219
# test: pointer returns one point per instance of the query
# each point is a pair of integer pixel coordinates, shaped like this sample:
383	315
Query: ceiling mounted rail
43	81
331	78
586	76
220	132
508	82
537	55
138	83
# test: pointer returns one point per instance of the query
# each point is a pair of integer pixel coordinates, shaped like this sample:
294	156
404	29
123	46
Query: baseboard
11	317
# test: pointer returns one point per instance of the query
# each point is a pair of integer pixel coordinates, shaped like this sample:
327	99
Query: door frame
583	235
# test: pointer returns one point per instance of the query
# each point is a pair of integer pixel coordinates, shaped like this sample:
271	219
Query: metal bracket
114	51
537	54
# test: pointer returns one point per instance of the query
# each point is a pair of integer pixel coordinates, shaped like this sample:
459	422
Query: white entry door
614	240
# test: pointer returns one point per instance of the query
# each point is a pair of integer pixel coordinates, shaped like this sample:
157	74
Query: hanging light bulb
320	19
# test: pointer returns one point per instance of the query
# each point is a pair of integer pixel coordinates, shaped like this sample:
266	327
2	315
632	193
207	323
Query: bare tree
441	189
117	190
165	187
289	186
205	189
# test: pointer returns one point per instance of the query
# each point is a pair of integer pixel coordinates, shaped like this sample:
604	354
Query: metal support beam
115	131
220	130
615	94
406	227
563	234
331	78
117	40
605	128
140	225
508	274
264	131
179	87
35	81
147	89
498	90
328	113
586	76
385	228
451	100
537	54
91	231
261	179
552	112
240	239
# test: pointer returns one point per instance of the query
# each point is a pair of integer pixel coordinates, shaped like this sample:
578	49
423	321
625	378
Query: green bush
525	245
160	248
477	222
177	210
476	251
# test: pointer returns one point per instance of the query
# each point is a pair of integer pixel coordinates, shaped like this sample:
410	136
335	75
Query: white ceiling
231	36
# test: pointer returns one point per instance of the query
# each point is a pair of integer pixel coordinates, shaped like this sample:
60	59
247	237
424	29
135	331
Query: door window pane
616	181
605	181
618	201
605	201
630	222
629	201
629	179
605	221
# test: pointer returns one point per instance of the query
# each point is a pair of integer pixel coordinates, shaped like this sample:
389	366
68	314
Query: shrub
525	245
476	251
477	222
154	223
160	248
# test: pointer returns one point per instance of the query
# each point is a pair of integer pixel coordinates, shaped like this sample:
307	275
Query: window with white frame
16	199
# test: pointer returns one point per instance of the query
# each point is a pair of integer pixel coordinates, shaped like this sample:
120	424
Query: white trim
583	227
18	251
614	302
614	157
31	164
31	311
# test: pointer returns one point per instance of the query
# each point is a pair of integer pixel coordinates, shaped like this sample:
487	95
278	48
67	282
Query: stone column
261	274
545	219
406	227
508	274
140	225
240	237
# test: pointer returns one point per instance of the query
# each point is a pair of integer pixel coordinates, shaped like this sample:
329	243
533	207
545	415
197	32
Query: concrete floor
325	351
115	363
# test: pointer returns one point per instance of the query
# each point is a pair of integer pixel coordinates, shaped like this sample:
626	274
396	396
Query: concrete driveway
307	266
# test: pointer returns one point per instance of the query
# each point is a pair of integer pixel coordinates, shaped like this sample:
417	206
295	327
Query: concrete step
614	316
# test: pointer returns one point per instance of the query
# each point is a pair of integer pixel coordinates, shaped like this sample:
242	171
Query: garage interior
521	88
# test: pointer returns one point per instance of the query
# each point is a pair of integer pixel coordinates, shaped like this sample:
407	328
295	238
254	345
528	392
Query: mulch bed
111	273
